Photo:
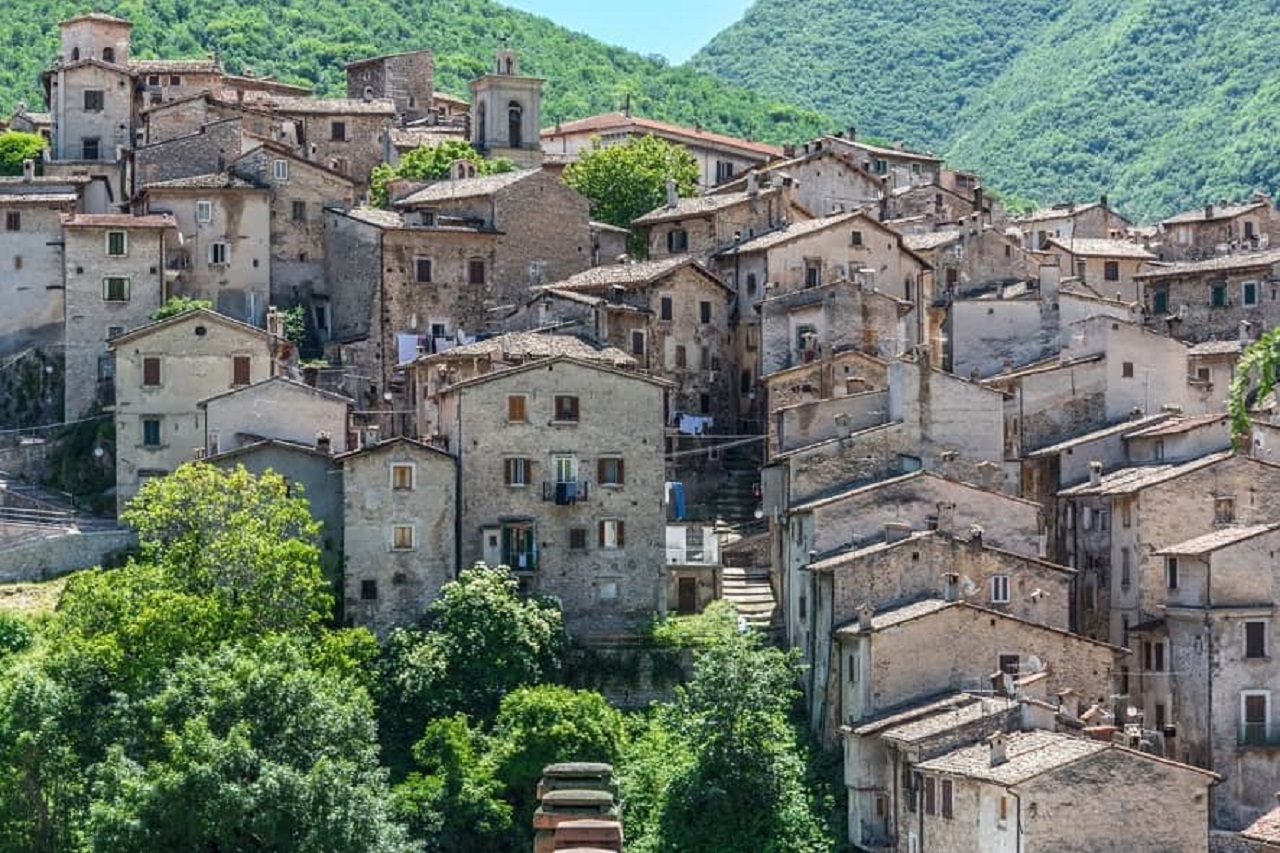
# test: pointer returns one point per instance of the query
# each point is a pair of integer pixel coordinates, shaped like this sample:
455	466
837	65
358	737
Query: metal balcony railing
565	492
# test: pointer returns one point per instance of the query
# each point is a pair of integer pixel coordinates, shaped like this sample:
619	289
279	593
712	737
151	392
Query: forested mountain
1164	105
309	41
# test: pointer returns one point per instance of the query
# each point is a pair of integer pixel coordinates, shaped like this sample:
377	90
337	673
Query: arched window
75	54
510	65
481	113
515	124
108	54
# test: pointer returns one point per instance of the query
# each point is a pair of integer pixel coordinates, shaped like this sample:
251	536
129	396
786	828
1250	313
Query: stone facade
206	149
1211	300
806	325
552	487
707	225
1217	229
114	279
972	258
278	408
347	136
400	541
506	112
825	377
407	79
1108	267
1071	221
31	262
163	371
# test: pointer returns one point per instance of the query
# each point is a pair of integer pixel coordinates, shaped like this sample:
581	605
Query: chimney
673	198
975	535
753	183
1208	211
853	133
1103	200
626	110
896	531
323	442
1095	473
789	151
950	586
28	170
946	517
977	202
1245	326
372	434
865	612
999	745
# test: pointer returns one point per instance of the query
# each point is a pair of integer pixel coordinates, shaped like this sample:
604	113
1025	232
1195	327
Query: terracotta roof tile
482	185
1215	212
1210	542
1028	755
622	123
1225	262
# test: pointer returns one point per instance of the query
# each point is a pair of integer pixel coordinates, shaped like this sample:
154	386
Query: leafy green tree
176	305
15	147
1255	377
626	181
250	749
453	803
431	163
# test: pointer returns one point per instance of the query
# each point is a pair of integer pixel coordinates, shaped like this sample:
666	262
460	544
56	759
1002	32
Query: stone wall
203	151
40	559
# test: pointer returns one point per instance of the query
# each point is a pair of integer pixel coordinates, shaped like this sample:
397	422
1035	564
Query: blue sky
686	25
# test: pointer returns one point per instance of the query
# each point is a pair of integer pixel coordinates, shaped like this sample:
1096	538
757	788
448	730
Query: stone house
348	136
1178	439
173	118
406	79
1213	363
506	112
400	539
31	259
706	225
1024	791
278	407
897	167
161	80
113	280
554	489
224	255
301	190
1067	222
823	181
1263	835
1218	229
311	468
162	372
720	158
824	377
1108	266
968	259
672	315
1210	300
204	149
1207	669
26	121
938	204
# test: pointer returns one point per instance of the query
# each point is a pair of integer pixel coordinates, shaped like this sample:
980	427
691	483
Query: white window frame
124	244
204	211
128	285
213	253
609	536
1244	289
280	169
999	589
413	476
413	537
1266	695
564	467
516	464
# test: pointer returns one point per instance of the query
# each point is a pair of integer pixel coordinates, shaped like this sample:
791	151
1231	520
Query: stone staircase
748	590
737	499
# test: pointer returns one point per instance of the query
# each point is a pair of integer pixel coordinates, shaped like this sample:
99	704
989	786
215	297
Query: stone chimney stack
1208	211
999	745
950	586
28	170
673	197
896	531
1095	473
865	612
1245	326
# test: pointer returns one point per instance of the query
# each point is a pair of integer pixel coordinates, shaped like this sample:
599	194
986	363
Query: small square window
153	79
368	590
151	371
204	211
517	410
89	148
402	537
566	408
298	211
577	538
1111	271
338	131
150	432
93	100
175	80
1126	370
402	477
610	471
115	289
677	241
12	220
117	243
280	170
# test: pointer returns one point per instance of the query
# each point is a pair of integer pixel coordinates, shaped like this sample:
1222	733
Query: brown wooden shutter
151	371
515	408
240	369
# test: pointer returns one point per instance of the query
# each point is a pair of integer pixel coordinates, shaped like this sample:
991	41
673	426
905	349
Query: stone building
224	255
554	489
113	282
400	542
969	259
1107	266
823	181
824	377
706	225
720	158
406	79
1219	229
275	408
1211	299
348	136
1067	222
202	149
506	112
897	167
162	372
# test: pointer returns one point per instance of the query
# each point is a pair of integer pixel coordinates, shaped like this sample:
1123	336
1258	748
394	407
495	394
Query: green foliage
293	322
15	635
1162	105
431	163
309	41
1255	377
716	624
176	305
83	460
626	181
15	147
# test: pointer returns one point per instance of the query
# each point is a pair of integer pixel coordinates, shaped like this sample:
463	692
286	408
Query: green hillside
1162	104
308	41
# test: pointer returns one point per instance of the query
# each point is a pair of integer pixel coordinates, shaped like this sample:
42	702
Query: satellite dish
1035	664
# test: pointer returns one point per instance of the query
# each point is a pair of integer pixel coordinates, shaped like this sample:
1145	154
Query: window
637	342
1111	271
812	273
753	337
948	799
112	331
1171	572
704	311
93	100
475	271
338	131
517	412
1126	369
175	80
204	212
402	476
12	220
611	534
1000	589
566	408
880	166
519	547
151	371
515	472
751	284
1002	810
704	404
1249	293
665	308
1218	295
368	590
855	238
422	270
241	369
677	241
153	80
1224	510
402	537
1255	717
1009	664
724	171
1153	655
219	254
1126	577
1126	514
106	368
682	357
1161	716
610	471
150	432
564	466
577	538
1160	302
117	243
89	148
280	170
298	211
115	289
930	795
1255	639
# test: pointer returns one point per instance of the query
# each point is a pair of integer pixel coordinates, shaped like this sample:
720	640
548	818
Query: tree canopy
432	163
15	147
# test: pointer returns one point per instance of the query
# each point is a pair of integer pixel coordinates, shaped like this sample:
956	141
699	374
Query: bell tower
506	112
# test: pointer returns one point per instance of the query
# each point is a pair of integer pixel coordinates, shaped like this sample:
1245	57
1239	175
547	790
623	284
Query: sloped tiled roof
118	220
1265	829
481	185
702	205
1028	755
628	275
791	231
1093	247
174	66
526	345
1232	347
1210	542
944	719
1222	263
1128	480
622	123
335	106
214	181
932	240
1178	426
1215	212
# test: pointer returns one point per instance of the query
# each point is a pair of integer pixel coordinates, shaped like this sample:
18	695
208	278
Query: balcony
1258	735
520	561
565	492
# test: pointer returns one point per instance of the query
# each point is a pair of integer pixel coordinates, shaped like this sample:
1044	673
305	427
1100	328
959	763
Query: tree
176	305
432	163
1254	379
626	181
15	147
251	749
